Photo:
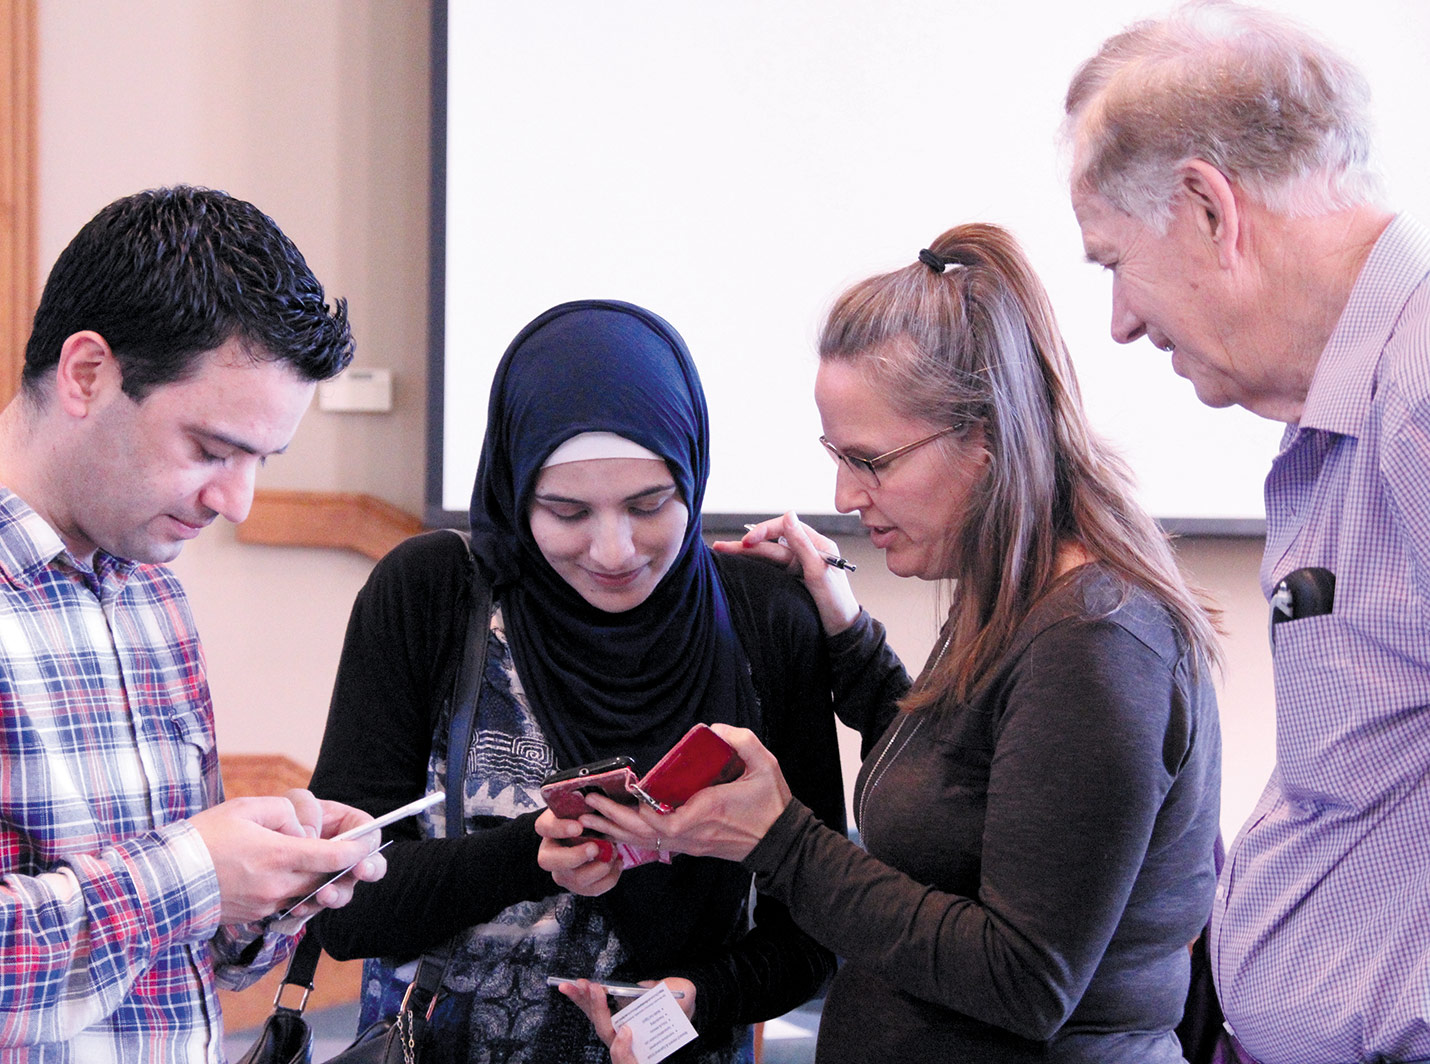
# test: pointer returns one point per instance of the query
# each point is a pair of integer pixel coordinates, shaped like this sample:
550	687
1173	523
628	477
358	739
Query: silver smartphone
619	990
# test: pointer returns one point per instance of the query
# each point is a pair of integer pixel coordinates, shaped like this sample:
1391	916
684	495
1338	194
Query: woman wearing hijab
1039	808
614	630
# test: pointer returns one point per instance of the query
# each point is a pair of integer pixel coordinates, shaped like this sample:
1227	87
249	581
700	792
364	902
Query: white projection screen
734	164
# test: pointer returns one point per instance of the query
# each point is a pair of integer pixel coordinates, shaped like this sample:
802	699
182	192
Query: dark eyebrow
655	490
235	443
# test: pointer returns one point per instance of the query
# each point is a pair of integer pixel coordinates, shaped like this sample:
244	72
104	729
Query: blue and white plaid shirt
109	905
1321	927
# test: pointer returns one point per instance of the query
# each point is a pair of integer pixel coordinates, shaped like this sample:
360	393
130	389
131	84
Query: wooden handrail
17	187
336	519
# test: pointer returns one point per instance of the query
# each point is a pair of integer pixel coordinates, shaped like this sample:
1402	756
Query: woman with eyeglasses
1039	807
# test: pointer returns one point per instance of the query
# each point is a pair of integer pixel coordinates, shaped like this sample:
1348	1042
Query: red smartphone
565	791
701	759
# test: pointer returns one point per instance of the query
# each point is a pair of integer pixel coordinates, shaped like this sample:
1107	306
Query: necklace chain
890	753
881	767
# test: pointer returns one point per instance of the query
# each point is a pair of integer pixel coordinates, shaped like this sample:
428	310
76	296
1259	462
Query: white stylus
400	813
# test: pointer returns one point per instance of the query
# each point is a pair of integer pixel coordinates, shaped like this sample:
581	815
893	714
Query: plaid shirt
1321	927
109	904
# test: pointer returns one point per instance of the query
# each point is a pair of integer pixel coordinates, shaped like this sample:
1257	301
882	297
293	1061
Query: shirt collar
28	545
1344	381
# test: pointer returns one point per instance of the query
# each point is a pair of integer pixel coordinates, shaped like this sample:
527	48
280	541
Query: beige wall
317	111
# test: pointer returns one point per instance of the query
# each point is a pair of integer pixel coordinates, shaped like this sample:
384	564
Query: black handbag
1201	1025
286	1037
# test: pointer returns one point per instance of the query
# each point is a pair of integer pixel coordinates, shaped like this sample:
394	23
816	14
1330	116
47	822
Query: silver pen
620	990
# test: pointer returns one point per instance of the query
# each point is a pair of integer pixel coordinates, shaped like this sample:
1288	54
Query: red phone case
567	798
701	759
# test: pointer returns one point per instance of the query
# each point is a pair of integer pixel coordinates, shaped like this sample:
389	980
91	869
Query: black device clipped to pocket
1304	593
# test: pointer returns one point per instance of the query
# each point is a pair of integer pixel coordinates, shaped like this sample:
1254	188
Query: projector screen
734	164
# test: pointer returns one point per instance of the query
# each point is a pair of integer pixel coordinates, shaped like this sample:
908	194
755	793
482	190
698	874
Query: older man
1221	171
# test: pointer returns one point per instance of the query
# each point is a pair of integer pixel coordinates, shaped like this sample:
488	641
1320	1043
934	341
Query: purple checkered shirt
1321	926
109	905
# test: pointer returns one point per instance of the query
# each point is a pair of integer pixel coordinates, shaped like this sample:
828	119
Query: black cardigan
399	658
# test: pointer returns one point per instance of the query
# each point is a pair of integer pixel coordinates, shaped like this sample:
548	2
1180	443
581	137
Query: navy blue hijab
603	683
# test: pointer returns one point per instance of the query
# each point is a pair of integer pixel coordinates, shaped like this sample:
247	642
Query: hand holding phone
286	913
700	759
565	791
615	990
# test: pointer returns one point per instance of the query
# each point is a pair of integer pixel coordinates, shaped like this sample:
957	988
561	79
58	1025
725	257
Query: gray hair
1254	94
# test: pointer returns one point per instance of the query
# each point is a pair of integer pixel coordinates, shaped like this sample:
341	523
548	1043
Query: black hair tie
938	263
933	260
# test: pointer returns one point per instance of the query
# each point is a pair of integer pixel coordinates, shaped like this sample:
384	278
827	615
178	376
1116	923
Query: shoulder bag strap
465	690
432	969
301	968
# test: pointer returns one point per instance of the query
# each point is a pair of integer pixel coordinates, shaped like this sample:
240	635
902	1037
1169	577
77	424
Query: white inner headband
588	445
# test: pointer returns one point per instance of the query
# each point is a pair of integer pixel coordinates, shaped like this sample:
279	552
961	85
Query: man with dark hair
177	344
1222	172
167	275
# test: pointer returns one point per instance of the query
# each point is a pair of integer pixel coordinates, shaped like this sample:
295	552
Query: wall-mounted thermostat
357	390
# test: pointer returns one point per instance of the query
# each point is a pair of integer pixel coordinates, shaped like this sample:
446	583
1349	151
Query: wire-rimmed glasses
866	470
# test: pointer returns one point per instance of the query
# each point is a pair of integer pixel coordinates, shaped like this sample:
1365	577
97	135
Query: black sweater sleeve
397	667
868	678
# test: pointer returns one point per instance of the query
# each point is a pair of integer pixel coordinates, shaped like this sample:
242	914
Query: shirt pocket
1341	739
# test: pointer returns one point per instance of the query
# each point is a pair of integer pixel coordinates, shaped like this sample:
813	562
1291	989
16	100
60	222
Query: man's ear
87	373
1215	210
